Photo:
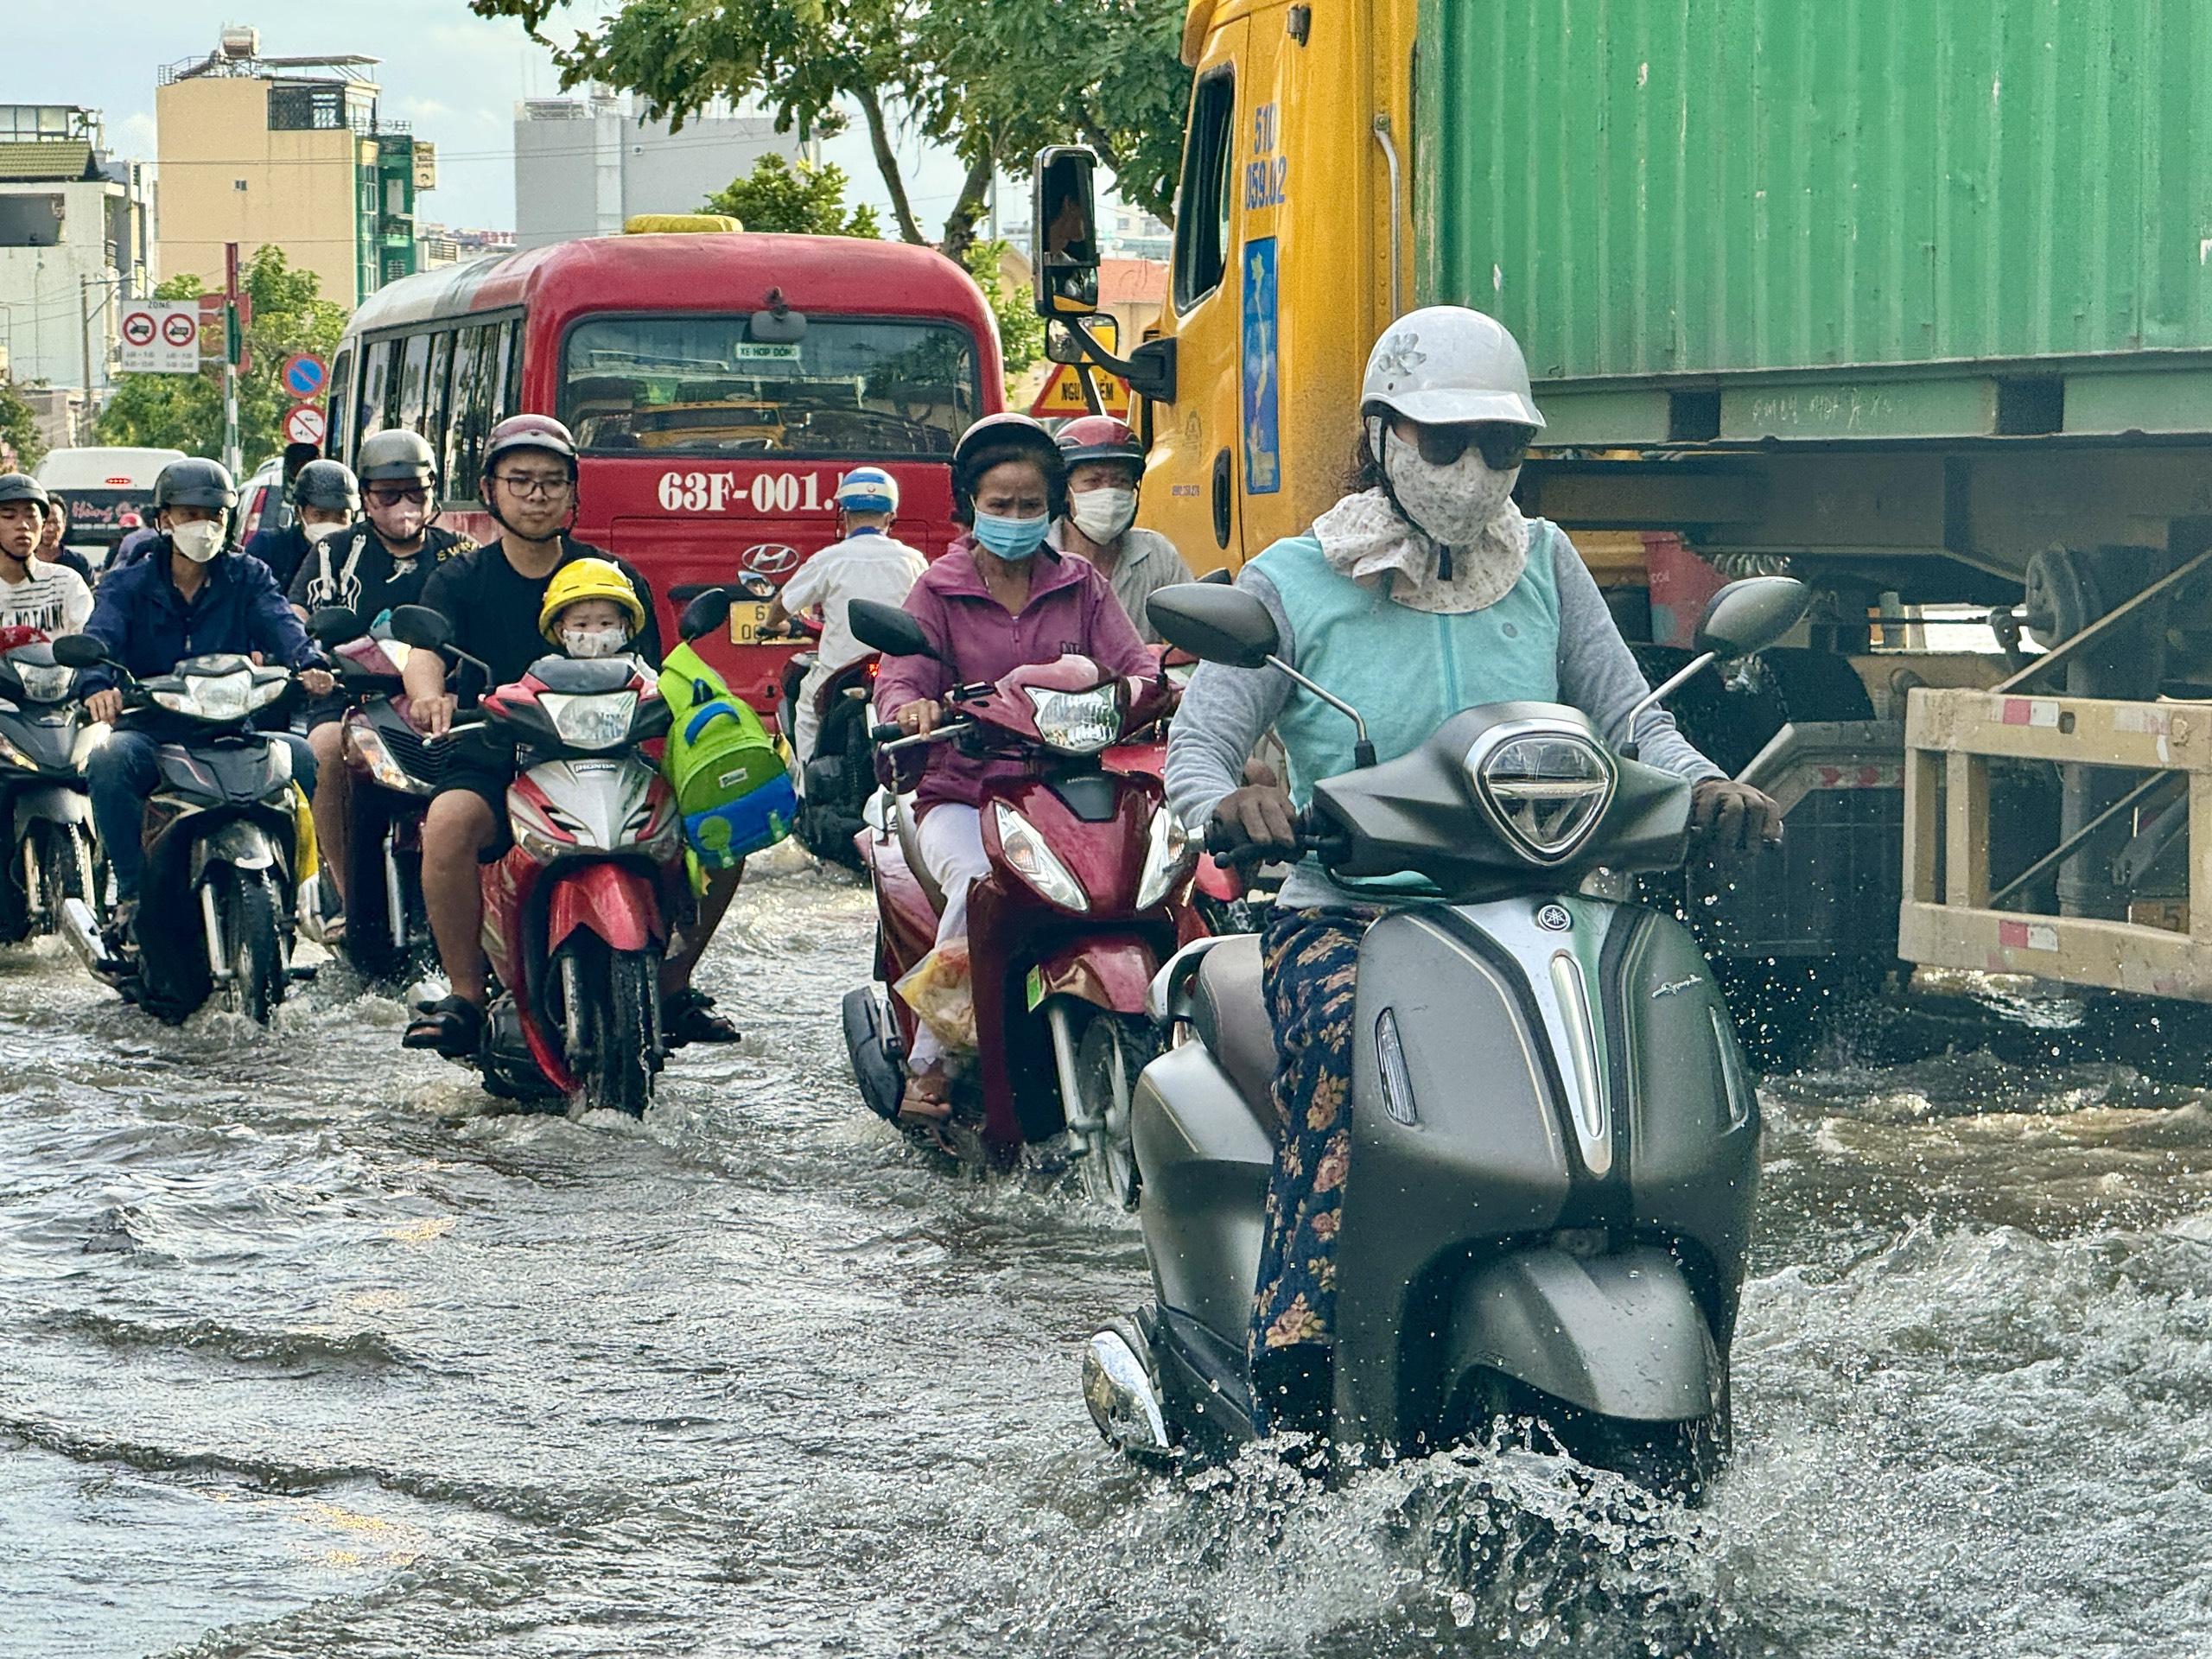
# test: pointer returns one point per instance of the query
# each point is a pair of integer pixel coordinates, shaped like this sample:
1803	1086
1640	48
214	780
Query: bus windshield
698	386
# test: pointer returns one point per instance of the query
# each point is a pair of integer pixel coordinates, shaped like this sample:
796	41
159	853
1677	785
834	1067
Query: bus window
503	369
434	395
414	373
472	409
696	385
1203	204
511	358
339	402
375	373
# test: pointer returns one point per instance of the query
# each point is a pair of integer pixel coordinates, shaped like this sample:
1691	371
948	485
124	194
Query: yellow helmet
587	579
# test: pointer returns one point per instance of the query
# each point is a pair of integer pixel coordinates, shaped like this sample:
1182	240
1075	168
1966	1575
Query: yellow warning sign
1063	394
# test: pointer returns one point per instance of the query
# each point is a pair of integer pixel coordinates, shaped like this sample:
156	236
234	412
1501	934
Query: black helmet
993	442
397	453
519	432
326	485
195	483
22	487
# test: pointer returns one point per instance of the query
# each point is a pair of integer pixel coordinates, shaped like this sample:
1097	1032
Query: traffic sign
305	375
1063	394
159	337
305	424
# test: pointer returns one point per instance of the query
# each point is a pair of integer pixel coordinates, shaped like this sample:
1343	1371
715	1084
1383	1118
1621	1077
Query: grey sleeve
1224	713
1599	676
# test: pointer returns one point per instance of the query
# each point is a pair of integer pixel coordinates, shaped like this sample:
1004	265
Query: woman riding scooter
998	599
1422	593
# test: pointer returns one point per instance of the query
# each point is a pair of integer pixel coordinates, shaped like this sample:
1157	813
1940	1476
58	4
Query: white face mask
1103	515
199	541
1452	506
593	642
318	534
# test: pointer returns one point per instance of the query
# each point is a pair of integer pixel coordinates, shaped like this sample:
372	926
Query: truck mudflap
1619	1334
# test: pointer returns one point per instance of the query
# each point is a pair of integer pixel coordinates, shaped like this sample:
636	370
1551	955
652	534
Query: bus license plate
745	621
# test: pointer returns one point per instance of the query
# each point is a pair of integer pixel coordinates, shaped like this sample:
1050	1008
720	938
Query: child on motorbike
591	610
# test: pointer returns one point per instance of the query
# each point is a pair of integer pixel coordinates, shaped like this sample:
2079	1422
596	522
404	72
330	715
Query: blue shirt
147	626
281	550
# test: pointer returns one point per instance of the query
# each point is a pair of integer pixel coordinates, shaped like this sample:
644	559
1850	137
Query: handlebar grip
1227	843
889	730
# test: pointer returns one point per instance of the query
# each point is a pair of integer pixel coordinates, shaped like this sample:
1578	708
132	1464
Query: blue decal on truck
1263	462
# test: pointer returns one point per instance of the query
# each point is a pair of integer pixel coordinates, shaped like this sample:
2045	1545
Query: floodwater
308	1351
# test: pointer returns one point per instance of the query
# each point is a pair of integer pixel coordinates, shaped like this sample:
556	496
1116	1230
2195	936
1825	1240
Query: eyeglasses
390	495
534	486
1504	446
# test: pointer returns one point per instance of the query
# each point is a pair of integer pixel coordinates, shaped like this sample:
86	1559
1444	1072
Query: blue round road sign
303	375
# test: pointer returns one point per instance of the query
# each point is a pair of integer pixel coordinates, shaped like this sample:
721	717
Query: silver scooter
1555	1135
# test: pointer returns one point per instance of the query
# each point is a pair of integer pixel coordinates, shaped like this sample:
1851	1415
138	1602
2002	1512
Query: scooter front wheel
625	1025
253	938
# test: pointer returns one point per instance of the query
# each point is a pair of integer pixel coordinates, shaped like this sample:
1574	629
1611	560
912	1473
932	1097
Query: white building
584	165
76	234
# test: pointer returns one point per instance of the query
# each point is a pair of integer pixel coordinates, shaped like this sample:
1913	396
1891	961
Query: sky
455	76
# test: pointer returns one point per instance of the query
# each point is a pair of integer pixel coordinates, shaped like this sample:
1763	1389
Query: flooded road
307	1350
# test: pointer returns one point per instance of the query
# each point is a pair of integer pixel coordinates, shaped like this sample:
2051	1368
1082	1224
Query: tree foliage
993	81
21	442
1021	331
185	411
805	200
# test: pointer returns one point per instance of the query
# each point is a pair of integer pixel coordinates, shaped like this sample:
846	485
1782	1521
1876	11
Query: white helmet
1444	364
869	489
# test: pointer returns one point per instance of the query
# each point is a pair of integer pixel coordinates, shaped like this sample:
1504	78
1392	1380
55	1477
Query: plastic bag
938	990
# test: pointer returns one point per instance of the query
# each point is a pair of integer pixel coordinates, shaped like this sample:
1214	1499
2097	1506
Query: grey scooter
1555	1136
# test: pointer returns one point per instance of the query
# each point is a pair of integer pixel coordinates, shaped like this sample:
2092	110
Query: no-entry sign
304	376
305	424
159	337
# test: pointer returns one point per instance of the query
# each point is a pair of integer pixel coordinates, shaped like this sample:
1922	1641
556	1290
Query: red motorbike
1087	894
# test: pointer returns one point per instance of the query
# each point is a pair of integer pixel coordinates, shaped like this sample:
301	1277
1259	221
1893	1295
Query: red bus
720	385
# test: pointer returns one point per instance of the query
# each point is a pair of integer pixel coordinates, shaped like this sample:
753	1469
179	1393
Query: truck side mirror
1064	231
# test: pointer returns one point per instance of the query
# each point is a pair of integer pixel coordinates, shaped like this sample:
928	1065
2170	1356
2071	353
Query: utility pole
233	339
84	336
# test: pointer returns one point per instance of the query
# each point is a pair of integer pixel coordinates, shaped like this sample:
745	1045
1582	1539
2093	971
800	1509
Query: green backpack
731	783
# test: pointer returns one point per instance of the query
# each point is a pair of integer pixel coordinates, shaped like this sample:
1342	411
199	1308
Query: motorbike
1086	896
1555	1134
223	840
44	740
395	773
840	778
577	912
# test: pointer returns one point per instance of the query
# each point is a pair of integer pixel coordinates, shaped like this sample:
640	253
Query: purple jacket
1071	608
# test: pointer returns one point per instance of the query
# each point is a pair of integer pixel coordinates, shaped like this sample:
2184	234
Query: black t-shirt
385	583
493	608
70	559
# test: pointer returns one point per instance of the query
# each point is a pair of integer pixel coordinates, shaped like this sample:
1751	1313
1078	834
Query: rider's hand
104	706
1262	808
432	716
919	717
319	682
1731	812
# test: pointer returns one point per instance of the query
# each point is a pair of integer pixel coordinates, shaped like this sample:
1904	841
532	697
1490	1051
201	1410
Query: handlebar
1227	843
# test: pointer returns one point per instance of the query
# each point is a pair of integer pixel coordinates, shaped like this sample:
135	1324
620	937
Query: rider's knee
459	821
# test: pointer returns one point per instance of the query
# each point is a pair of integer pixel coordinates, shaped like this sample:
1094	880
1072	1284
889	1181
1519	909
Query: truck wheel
254	939
618	1073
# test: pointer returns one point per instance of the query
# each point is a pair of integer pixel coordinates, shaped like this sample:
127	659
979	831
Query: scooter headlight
212	696
1545	789
369	744
1077	722
1169	858
45	682
600	720
1025	849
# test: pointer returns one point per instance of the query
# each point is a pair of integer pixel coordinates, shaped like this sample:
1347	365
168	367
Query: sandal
451	1025
688	1016
927	1103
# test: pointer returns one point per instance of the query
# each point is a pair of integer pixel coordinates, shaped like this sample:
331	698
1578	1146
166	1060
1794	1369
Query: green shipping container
1851	218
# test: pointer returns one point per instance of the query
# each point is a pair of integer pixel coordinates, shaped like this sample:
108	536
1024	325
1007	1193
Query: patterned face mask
595	642
1451	505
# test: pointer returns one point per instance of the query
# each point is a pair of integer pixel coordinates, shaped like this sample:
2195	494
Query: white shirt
868	565
53	598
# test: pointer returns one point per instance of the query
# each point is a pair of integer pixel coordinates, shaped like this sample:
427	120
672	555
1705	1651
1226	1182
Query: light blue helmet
869	489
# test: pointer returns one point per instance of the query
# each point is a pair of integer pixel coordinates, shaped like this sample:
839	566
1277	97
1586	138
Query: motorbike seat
910	848
1232	1017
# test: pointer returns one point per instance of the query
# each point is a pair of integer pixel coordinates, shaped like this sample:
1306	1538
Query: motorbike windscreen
699	385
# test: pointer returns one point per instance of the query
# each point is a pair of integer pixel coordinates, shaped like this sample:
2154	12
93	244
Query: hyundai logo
770	559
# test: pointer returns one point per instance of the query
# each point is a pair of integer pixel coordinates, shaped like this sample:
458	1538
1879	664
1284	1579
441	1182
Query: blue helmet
869	489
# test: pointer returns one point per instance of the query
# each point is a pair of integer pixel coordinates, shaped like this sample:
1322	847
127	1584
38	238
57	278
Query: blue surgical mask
1012	538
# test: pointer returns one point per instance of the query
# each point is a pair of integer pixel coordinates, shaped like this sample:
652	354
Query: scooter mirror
79	651
1751	614
1221	576
1214	624
756	587
334	624
887	629
706	613
422	627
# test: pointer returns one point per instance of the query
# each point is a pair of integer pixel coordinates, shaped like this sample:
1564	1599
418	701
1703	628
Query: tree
807	200
185	411
21	442
1021	331
994	80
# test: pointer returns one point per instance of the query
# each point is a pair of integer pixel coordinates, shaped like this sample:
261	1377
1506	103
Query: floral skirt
1312	969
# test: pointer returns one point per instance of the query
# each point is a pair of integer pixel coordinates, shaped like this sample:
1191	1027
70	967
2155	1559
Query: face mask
1451	505
1103	515
1010	538
199	541
593	642
318	534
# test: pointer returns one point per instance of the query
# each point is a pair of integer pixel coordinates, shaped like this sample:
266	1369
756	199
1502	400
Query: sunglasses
1504	446
390	495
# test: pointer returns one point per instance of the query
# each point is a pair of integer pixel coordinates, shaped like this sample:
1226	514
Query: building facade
584	165
288	152
76	229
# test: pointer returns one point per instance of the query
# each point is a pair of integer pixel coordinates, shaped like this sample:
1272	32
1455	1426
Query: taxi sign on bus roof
1063	394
